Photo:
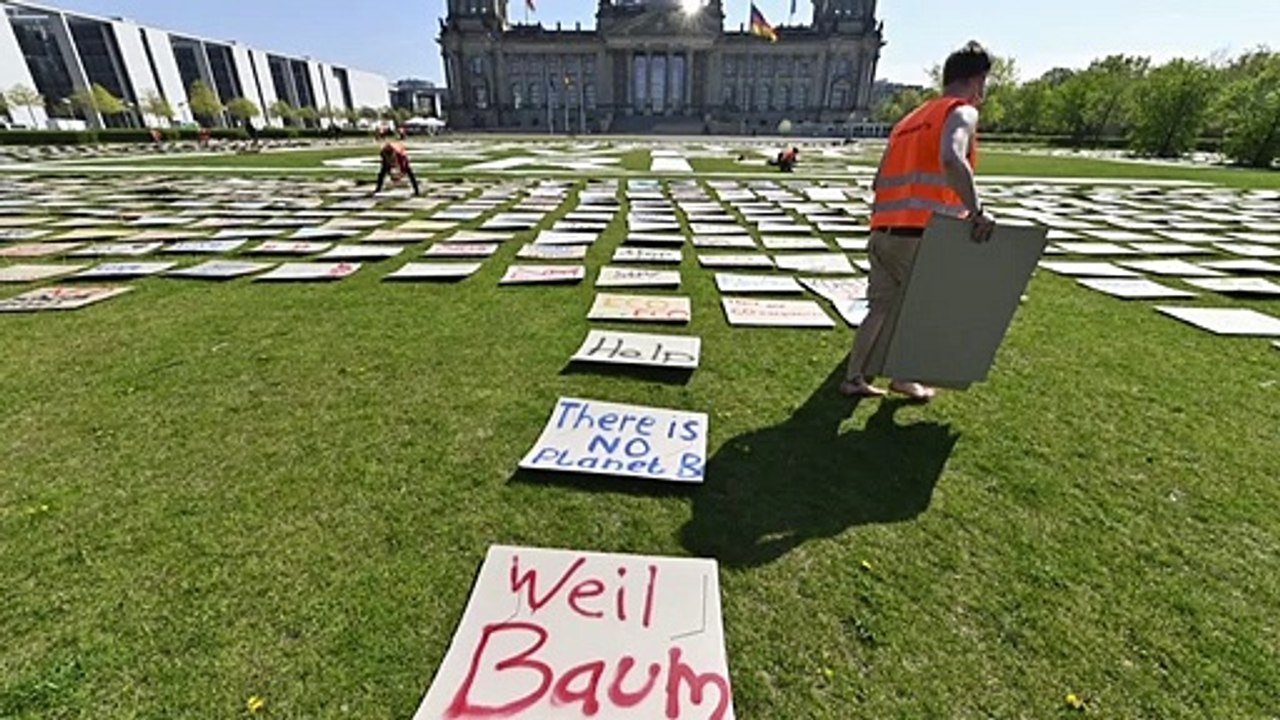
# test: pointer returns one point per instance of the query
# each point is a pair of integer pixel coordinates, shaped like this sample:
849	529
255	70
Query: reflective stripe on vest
912	184
933	206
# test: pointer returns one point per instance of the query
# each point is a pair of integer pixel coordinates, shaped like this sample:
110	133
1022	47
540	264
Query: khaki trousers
891	259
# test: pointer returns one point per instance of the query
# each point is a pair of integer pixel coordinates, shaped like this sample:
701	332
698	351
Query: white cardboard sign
612	276
123	270
434	271
817	263
730	283
38	250
220	270
461	250
310	271
361	252
552	252
847	295
289	247
680	352
32	273
641	308
537	274
751	312
1237	286
735	260
601	438
646	255
560	635
1133	288
1226	321
209	247
59	298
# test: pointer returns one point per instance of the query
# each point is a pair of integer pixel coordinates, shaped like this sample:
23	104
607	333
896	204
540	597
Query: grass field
211	492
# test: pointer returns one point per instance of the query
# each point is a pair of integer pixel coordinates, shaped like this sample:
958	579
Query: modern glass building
58	53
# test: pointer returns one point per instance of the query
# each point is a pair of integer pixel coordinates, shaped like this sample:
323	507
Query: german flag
761	27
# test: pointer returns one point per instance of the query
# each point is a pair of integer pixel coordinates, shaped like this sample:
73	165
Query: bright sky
397	37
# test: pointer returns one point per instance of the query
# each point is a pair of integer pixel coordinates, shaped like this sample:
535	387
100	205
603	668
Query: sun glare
690	6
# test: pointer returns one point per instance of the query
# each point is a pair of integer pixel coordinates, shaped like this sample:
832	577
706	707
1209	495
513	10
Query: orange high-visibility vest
913	184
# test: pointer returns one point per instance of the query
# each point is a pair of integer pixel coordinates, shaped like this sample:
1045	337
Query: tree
243	110
283	110
23	96
1250	109
107	104
1096	101
155	105
368	113
204	101
895	107
1171	106
352	116
308	115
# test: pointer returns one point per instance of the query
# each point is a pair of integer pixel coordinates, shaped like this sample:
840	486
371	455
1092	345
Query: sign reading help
666	351
599	438
554	634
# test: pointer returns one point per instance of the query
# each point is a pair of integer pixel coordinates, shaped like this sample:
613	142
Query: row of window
781	65
785	96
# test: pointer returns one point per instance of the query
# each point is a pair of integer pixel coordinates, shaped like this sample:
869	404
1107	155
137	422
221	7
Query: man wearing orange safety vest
395	162
927	169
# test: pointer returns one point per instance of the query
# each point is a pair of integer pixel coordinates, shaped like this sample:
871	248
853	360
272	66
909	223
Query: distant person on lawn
926	169
395	163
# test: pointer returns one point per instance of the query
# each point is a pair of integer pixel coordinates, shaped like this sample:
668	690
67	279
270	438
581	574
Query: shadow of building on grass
769	491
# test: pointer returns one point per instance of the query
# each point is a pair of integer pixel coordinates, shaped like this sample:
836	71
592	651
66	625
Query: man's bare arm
957	134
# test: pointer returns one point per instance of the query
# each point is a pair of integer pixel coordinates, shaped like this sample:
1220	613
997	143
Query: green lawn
209	492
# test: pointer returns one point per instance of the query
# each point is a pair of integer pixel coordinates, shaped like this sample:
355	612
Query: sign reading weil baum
600	438
551	634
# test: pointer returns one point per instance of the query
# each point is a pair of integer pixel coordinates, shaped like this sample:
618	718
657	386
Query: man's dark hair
969	61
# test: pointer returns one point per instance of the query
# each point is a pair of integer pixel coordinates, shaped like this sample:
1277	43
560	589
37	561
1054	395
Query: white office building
58	52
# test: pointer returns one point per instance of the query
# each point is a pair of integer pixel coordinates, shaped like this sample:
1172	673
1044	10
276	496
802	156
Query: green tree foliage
154	104
1250	109
1096	102
283	110
21	96
106	103
243	109
308	115
1172	104
204	101
895	107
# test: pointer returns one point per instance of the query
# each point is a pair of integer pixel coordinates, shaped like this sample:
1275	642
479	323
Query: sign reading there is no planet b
600	438
559	634
680	352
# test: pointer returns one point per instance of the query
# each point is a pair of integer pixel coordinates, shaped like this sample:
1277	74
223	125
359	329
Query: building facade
420	97
58	53
658	65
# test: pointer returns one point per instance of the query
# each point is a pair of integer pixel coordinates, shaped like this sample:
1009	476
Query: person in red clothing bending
927	170
395	162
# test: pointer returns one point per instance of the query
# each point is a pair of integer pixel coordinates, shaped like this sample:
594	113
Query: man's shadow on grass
770	491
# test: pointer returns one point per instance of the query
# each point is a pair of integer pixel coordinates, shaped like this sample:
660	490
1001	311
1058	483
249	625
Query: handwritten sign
680	352
725	241
289	247
361	252
775	313
310	271
561	237
600	438
558	634
39	249
786	242
735	260
199	247
612	276
59	298
817	263
31	273
13	234
730	283
847	295
434	271
552	252
535	274
641	308
220	270
646	255
652	238
122	270
118	249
